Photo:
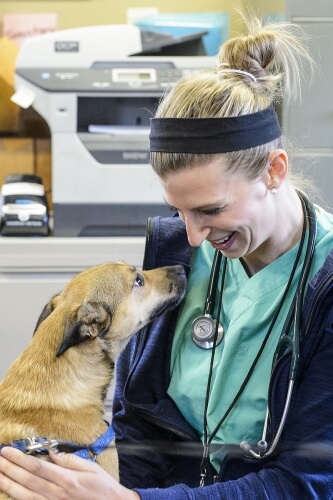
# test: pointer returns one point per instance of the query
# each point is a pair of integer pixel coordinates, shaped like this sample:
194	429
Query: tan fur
56	388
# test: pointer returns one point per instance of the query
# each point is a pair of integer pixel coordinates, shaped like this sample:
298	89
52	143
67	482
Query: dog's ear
93	320
47	310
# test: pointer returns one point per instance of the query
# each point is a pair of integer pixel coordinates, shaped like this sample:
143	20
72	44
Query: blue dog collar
101	444
38	445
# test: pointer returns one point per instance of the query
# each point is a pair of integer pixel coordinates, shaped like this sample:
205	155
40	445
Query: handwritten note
18	27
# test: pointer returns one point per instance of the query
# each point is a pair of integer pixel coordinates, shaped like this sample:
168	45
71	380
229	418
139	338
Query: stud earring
273	190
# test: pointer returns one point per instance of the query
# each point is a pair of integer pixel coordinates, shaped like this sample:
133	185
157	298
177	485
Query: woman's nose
196	234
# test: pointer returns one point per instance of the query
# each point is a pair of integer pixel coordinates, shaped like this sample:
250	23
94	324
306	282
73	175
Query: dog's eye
139	281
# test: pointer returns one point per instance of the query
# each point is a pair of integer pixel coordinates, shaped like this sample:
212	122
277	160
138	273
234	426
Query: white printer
97	96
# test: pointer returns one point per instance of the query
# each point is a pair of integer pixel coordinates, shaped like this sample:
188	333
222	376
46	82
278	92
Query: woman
234	408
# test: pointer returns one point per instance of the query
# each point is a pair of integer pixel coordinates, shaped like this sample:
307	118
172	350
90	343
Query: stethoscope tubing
295	341
212	286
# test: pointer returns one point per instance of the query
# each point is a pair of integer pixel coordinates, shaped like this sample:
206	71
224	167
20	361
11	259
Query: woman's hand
25	477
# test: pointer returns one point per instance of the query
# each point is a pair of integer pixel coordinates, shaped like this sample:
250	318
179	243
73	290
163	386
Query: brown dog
57	386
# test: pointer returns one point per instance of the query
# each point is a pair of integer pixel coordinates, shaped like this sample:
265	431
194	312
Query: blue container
187	23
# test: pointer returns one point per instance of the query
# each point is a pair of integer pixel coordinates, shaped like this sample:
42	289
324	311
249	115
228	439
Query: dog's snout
179	275
177	278
178	270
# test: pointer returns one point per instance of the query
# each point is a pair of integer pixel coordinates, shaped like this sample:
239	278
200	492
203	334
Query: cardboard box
16	157
13	118
43	165
25	143
9	112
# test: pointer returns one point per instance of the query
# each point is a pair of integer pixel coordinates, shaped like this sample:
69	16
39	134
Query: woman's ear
278	168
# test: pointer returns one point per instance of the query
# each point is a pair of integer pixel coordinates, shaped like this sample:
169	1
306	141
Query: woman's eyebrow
199	208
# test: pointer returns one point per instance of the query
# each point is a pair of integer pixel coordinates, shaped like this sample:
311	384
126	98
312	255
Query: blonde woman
232	396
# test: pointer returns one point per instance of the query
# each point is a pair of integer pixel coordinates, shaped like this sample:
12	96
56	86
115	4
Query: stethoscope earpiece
203	332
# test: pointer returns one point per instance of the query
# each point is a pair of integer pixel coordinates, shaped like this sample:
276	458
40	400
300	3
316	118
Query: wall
74	13
268	6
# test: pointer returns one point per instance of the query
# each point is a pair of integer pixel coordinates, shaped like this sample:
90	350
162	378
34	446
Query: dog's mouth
162	308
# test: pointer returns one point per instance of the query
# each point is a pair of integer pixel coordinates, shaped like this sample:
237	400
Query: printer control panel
116	79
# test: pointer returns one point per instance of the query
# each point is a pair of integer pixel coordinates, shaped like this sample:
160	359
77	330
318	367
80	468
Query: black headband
214	135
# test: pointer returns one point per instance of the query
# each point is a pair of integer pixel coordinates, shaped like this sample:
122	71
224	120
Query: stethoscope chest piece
203	331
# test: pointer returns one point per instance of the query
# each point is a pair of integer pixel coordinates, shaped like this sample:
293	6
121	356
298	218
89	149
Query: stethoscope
205	327
208	332
290	341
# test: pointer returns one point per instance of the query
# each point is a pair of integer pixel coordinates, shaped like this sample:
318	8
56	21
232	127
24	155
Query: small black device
24	210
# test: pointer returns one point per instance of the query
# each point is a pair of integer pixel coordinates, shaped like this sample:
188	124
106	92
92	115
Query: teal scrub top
248	306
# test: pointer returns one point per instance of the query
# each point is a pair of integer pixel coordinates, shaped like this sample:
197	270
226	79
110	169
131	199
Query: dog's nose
177	276
177	270
180	270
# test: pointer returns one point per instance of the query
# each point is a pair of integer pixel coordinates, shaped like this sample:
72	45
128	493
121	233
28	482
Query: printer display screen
133	74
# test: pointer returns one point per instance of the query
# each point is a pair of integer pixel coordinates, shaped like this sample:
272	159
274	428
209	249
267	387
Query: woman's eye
173	209
139	281
212	211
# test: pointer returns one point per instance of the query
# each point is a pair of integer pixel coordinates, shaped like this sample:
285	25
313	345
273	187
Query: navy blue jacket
160	453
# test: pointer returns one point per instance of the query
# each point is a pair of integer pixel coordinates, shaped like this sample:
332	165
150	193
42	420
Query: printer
97	89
